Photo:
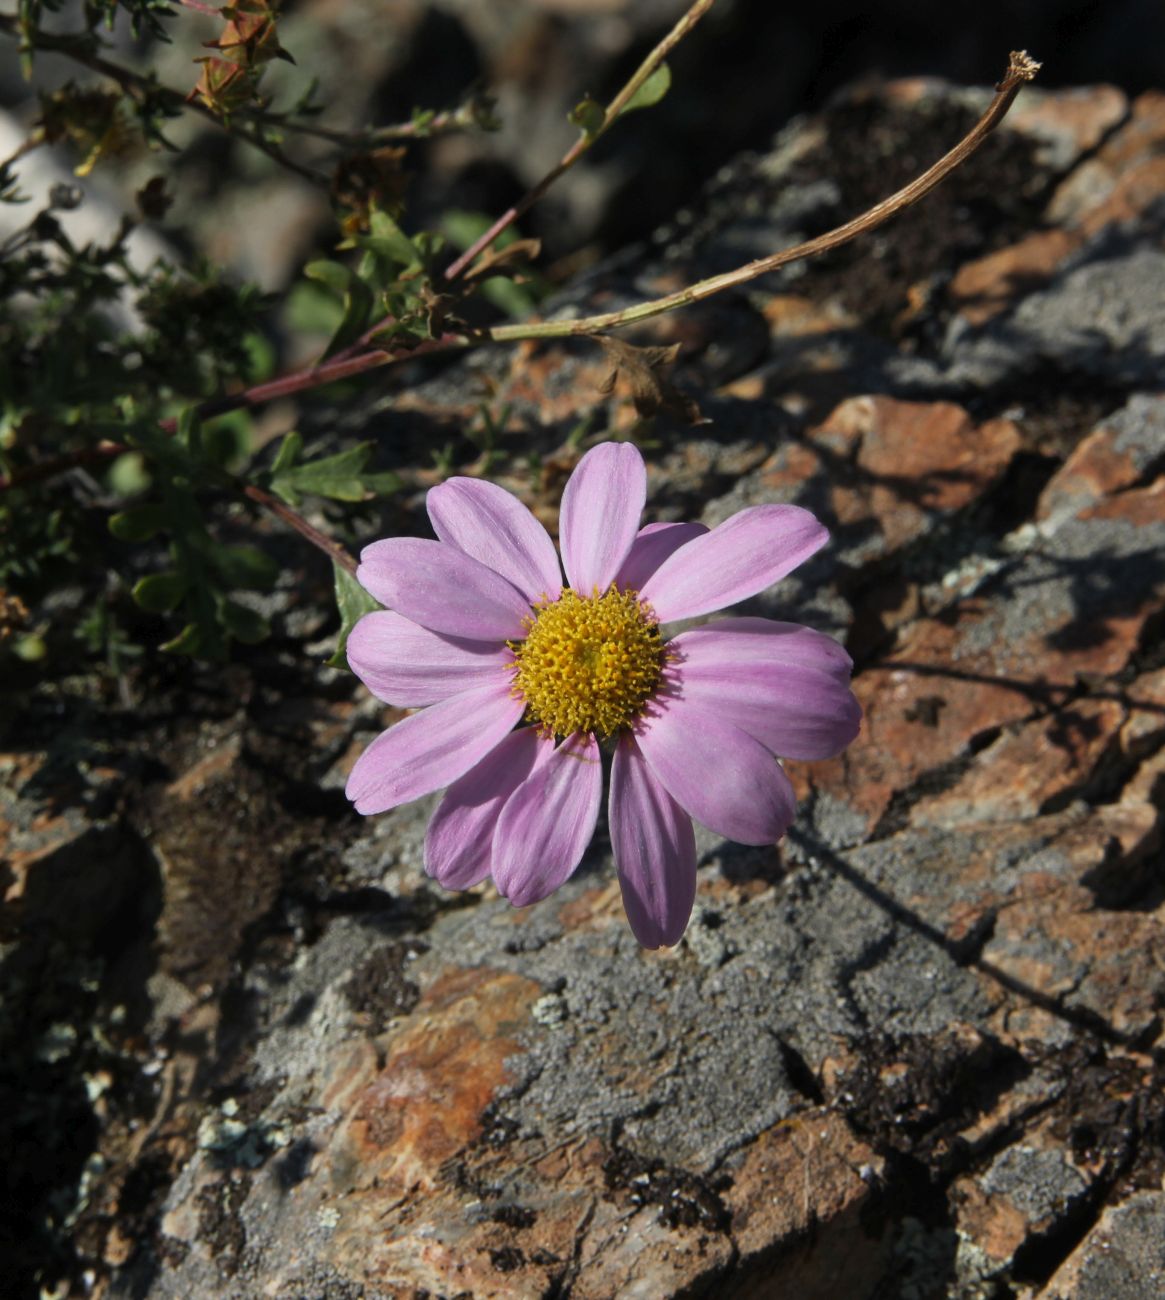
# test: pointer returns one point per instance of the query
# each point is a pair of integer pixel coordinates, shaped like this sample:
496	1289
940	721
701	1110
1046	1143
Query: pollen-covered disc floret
589	663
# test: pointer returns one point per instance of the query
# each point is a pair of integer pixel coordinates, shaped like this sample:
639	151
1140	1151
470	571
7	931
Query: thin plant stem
324	372
443	123
584	142
1021	69
293	519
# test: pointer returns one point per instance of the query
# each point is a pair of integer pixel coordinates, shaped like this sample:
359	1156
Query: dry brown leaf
643	370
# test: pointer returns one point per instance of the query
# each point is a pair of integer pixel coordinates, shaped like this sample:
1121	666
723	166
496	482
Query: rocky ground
913	1051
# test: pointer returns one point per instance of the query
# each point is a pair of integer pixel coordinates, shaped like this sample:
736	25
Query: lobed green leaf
244	624
339	477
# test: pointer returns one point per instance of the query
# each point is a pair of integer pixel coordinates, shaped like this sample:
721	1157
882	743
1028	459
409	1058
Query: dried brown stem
1021	69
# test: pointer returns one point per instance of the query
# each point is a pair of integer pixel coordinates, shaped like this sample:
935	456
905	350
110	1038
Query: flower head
518	679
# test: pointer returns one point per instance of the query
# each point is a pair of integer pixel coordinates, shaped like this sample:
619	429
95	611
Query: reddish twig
331	548
341	366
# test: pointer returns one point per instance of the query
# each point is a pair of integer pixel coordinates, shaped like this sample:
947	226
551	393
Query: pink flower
481	636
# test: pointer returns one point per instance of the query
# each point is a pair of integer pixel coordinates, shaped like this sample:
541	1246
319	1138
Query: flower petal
655	850
442	588
786	687
432	748
493	526
654	544
405	664
460	833
770	639
717	772
545	827
601	505
745	554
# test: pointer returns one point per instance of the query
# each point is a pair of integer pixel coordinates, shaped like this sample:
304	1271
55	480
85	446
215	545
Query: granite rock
913	1050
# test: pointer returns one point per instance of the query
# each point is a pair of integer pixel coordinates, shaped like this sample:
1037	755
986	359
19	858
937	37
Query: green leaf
588	116
422	119
261	356
358	304
509	297
138	523
189	431
652	91
463	228
227	439
160	592
129	474
244	566
332	275
388	240
381	483
312	309
11	419
338	477
188	642
357	297
245	625
353	602
30	647
288	453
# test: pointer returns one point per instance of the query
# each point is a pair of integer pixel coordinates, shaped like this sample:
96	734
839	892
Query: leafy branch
157	398
255	125
1021	69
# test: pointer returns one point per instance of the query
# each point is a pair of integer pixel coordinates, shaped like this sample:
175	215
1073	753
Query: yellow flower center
588	663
